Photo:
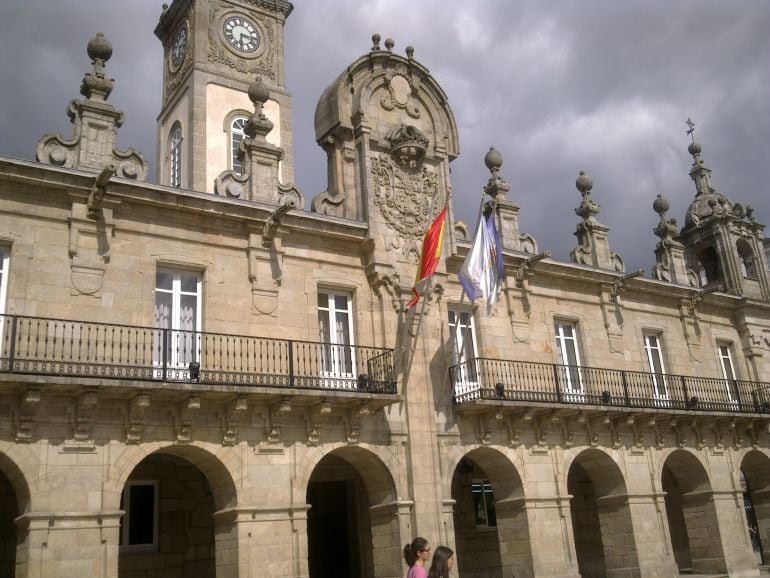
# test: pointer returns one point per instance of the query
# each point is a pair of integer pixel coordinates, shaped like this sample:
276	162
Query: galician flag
482	272
432	246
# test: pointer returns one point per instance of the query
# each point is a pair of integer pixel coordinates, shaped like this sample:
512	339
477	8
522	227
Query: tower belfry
213	51
723	241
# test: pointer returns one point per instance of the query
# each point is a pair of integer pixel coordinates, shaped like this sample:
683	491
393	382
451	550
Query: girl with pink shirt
416	554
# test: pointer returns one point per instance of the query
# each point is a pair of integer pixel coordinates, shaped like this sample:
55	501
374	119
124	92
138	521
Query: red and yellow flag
432	246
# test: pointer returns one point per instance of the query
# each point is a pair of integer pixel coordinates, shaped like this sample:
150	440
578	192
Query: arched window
709	265
175	166
748	259
236	136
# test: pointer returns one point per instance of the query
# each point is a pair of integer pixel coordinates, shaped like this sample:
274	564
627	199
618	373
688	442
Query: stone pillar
261	542
593	245
649	534
730	520
761	501
386	540
551	540
513	533
68	544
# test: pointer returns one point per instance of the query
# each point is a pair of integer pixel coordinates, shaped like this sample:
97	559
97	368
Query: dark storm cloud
558	87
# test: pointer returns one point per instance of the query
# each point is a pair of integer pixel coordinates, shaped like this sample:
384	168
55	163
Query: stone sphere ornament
493	159
584	182
99	48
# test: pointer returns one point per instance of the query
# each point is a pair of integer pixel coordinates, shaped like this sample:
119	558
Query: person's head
417	550
443	560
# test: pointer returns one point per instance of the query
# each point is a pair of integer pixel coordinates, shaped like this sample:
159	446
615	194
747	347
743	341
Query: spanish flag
432	246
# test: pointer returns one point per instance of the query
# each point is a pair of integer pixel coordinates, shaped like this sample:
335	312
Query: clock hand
247	36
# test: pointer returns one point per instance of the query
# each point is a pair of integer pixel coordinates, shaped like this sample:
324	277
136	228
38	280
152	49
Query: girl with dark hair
443	560
416	554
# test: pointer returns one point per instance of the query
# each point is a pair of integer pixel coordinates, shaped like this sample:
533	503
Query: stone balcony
576	396
68	356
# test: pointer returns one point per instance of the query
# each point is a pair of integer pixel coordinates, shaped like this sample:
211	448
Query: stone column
649	534
551	539
739	557
387	540
68	544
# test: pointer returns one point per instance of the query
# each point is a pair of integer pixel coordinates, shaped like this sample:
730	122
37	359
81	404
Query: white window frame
236	164
724	353
175	157
653	350
5	261
125	526
572	381
176	293
462	335
335	353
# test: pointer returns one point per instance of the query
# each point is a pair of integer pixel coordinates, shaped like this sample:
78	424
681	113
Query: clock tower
213	51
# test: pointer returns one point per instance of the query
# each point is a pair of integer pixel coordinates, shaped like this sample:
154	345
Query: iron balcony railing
498	379
40	346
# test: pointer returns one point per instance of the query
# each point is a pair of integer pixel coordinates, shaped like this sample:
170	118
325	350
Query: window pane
571	352
323	300
141	514
342	329
189	283
164	280
341	302
163	310
324	330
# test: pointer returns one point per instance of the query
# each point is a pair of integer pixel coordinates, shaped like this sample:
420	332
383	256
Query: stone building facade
212	377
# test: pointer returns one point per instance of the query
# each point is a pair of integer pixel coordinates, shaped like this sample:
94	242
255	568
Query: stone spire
507	211
95	125
723	241
593	248
670	264
260	180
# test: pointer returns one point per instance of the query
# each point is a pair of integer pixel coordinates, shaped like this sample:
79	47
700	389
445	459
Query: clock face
241	34
179	47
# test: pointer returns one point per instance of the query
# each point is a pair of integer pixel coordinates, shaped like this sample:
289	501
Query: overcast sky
557	87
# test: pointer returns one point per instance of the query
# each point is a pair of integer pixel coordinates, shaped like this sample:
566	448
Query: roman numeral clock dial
241	34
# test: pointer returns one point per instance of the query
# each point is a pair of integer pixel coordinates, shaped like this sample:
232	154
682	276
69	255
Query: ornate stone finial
95	85
258	124
666	228
375	42
389	44
593	248
496	186
410	52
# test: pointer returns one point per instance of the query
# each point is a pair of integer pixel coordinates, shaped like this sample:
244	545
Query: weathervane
691	125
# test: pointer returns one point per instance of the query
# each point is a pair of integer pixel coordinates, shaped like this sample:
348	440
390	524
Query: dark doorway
332	528
8	511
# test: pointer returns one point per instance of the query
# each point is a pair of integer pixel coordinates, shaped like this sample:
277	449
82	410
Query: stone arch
601	516
212	465
355	519
748	260
14	500
195	498
489	514
14	461
709	266
755	483
374	463
691	512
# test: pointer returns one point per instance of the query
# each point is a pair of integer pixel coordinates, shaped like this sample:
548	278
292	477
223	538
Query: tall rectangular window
568	351
654	352
4	261
484	504
139	525
335	332
462	333
178	315
728	371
